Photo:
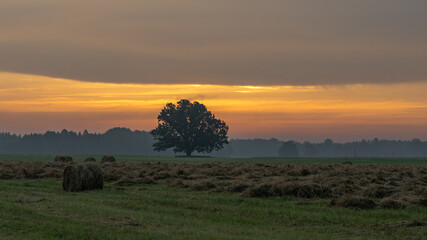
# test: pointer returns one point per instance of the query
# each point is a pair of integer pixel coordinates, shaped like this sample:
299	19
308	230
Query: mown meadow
166	198
40	209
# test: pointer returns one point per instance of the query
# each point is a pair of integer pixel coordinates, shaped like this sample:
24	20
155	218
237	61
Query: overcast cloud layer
237	42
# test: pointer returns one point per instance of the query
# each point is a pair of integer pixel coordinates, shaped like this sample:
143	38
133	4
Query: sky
289	69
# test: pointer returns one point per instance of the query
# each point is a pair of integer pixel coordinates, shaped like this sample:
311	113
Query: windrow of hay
108	159
355	202
63	159
391	203
295	188
90	159
405	184
423	200
82	178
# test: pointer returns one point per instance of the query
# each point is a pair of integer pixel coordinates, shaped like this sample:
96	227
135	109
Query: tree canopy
289	149
188	127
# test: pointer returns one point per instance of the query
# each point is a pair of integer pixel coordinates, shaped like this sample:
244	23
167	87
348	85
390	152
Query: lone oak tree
188	127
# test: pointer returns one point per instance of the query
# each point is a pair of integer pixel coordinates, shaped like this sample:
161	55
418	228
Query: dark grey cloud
237	42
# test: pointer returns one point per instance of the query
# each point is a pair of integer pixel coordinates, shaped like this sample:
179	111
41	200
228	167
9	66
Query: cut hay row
108	159
404	184
67	159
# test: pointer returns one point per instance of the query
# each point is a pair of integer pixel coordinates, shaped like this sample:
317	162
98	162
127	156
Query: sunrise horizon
346	112
289	70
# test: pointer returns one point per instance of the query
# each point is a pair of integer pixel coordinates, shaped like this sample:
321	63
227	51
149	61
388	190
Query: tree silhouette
289	149
188	127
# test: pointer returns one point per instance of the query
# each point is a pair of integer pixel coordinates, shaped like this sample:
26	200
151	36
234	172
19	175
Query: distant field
40	209
80	158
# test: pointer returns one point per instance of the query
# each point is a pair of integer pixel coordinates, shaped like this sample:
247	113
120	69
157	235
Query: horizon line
255	138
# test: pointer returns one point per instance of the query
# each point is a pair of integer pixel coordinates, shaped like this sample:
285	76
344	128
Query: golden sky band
30	103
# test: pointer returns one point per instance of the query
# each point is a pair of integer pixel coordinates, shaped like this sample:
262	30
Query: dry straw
82	178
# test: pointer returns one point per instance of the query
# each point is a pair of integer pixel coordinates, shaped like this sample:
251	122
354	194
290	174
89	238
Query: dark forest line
123	141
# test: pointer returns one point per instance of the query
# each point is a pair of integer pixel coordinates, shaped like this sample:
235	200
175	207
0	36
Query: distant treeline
123	141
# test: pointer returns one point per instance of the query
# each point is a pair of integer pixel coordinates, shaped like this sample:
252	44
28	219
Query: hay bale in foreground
63	159
108	159
90	159
82	178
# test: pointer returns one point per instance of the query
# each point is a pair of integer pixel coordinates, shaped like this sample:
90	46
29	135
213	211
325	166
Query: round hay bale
108	159
90	159
63	159
347	163
82	178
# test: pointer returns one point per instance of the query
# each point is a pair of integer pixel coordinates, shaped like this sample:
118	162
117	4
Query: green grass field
80	158
40	209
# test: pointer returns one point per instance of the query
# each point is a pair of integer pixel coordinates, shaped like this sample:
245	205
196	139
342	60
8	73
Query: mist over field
123	141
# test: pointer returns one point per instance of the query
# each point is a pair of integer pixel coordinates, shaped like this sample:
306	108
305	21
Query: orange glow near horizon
31	103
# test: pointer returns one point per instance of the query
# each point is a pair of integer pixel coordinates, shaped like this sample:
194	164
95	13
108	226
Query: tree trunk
188	153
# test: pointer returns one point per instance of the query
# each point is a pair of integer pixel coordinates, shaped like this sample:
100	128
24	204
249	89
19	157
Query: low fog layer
122	141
